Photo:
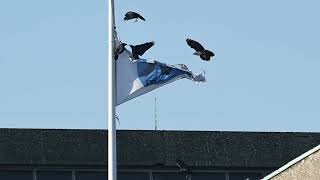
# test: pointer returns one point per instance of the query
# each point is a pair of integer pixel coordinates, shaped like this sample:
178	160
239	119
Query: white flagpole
112	149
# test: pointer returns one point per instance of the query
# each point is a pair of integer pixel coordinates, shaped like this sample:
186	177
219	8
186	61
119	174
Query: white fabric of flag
137	77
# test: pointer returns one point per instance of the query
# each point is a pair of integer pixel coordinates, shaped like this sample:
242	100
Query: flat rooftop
148	148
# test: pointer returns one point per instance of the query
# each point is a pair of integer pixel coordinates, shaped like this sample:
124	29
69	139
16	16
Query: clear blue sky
264	77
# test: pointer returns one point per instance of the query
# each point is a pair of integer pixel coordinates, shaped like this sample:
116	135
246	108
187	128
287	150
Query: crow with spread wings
137	50
200	50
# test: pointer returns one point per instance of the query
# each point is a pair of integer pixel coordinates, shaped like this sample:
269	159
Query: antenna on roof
155	114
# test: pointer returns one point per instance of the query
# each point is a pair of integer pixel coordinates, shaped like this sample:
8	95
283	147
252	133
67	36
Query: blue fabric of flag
155	72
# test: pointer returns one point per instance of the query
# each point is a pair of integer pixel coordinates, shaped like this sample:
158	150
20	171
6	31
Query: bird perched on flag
119	50
139	50
200	51
133	15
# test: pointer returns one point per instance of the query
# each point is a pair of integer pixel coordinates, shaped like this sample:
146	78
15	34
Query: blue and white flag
135	78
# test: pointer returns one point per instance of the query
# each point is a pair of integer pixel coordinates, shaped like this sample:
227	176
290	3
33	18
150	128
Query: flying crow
200	51
139	50
119	50
133	15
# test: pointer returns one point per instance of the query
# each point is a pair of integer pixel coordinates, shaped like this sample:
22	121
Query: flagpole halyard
112	149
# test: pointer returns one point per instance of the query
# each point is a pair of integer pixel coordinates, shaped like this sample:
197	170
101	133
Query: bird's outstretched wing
139	50
132	15
195	45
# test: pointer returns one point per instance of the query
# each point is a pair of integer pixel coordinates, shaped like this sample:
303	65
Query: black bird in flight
133	15
119	50
200	51
139	50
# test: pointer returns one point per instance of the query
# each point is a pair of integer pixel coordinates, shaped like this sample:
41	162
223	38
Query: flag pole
112	149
